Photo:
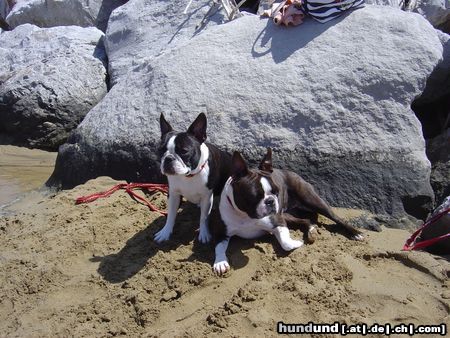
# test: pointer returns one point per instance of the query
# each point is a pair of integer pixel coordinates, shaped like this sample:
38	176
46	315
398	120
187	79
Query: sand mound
93	270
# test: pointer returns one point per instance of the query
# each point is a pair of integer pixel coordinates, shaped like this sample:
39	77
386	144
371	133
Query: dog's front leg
204	235
276	225
221	262
166	231
284	238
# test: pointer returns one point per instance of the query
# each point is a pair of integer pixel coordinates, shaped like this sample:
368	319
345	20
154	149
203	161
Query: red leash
129	189
411	242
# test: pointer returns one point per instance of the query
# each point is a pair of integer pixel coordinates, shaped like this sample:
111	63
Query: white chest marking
193	188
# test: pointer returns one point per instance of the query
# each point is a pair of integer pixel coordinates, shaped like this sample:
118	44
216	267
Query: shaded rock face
49	79
5	7
332	100
52	13
438	151
433	106
433	110
141	30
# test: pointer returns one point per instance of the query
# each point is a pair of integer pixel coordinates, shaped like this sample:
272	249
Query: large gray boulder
333	100
141	30
51	13
49	79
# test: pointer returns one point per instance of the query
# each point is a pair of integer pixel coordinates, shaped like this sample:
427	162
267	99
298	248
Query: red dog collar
201	168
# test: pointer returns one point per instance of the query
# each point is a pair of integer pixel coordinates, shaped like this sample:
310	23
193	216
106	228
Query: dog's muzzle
171	165
270	204
268	207
168	165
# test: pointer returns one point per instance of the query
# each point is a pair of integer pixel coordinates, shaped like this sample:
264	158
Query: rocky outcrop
332	100
51	13
435	11
49	79
141	30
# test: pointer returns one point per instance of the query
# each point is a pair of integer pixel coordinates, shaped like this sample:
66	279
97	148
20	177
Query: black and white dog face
254	191
181	152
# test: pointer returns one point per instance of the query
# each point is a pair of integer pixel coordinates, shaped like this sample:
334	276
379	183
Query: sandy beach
353	96
93	270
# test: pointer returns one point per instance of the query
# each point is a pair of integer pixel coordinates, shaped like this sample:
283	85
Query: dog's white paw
221	267
162	235
204	236
358	237
289	245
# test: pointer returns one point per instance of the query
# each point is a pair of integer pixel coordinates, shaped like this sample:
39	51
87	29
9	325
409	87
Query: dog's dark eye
184	152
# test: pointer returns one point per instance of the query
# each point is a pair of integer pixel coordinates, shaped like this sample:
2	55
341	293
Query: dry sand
93	271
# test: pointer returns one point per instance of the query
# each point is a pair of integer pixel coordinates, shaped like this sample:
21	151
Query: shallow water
23	170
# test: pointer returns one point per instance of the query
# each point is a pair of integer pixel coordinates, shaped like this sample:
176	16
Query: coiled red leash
153	187
411	242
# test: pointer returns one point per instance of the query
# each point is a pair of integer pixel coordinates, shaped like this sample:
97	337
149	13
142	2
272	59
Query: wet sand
23	170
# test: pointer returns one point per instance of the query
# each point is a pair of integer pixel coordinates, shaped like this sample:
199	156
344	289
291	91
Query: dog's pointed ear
238	165
266	163
198	128
164	125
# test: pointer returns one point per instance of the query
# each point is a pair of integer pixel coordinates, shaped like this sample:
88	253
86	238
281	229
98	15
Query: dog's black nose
169	159
269	202
168	165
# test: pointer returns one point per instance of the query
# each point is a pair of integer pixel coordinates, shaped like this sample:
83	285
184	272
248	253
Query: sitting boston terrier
195	170
265	200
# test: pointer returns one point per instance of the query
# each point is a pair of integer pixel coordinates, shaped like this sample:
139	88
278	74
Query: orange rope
153	187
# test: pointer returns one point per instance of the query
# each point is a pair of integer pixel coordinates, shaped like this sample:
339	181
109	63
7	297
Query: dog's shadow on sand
235	255
141	248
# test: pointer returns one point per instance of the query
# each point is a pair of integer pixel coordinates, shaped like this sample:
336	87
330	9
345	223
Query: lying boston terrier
195	170
255	202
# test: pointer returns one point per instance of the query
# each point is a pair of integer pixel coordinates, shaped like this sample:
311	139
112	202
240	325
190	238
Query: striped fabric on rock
325	10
